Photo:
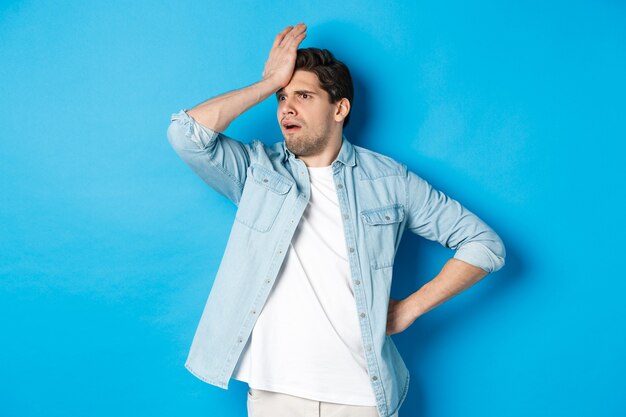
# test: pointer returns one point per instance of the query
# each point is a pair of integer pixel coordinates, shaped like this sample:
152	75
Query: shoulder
374	164
260	151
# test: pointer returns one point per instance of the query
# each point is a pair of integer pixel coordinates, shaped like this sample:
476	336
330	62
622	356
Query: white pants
263	403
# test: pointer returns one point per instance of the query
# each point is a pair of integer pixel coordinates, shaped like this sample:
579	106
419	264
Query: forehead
303	80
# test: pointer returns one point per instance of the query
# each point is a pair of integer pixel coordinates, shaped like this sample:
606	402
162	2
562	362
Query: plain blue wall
109	243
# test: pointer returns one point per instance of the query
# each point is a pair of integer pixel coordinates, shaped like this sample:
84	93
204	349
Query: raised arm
195	135
217	113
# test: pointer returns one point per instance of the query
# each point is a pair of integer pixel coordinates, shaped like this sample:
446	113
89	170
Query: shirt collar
346	153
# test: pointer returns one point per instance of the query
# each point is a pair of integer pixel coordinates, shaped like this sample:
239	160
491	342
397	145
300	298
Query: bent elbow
176	131
487	254
499	253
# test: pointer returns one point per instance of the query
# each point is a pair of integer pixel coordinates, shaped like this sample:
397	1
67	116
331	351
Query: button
351	249
362	314
264	179
369	348
339	186
357	282
240	340
267	281
374	378
387	217
253	312
346	216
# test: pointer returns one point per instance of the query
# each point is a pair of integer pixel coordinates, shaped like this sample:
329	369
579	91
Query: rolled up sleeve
437	217
220	161
200	135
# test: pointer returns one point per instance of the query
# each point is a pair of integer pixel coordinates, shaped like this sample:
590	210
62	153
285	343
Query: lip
292	130
296	126
286	123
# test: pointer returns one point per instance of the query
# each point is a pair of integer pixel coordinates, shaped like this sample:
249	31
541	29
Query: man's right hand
218	112
280	65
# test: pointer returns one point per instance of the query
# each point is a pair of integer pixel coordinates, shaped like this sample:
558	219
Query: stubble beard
307	145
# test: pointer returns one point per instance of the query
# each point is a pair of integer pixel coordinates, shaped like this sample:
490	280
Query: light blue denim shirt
378	198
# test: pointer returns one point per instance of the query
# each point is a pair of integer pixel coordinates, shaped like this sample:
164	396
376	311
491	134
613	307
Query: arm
455	277
222	162
479	250
217	113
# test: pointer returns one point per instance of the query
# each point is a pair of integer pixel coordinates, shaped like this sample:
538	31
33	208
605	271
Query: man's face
305	115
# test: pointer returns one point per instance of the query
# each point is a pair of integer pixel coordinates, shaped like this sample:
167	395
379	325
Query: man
300	306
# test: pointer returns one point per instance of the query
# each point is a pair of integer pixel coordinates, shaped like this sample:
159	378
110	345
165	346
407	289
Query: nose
287	107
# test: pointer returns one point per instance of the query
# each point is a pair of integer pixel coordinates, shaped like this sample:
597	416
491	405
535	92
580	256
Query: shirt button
357	282
374	378
369	348
362	315
253	312
387	217
339	186
264	179
351	249
240	340
267	281
346	216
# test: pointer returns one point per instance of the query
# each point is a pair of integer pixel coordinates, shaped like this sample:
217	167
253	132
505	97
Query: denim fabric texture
379	199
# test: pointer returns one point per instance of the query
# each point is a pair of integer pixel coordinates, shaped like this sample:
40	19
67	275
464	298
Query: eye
280	98
305	95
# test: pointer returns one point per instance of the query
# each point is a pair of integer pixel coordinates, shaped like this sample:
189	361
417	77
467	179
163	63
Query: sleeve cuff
479	255
201	135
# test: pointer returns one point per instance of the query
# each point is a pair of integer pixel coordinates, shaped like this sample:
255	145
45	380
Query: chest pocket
263	196
381	227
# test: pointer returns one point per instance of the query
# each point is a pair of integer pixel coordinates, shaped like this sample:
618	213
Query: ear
342	109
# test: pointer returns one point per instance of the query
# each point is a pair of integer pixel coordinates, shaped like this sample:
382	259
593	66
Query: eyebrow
281	91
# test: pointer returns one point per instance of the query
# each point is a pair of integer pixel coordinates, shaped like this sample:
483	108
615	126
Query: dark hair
333	75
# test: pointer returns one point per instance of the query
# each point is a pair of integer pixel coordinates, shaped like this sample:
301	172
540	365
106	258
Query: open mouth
291	127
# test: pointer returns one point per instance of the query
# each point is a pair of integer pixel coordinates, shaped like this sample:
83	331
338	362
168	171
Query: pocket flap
270	179
384	215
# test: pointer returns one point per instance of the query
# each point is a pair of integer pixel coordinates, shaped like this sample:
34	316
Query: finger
298	29
286	36
293	42
295	31
299	39
281	36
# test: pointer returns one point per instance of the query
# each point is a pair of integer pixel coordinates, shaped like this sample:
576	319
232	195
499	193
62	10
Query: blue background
109	243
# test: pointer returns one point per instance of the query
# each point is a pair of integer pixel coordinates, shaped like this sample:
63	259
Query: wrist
270	84
416	303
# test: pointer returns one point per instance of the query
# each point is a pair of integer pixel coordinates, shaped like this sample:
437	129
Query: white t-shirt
307	341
